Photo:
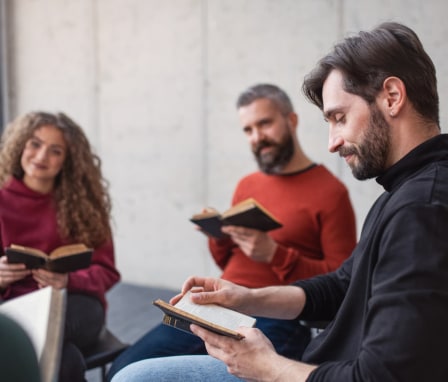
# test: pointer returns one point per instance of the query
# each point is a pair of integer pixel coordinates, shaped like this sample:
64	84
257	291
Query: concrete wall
154	84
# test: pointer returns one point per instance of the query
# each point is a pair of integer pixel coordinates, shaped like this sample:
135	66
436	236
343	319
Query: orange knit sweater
318	232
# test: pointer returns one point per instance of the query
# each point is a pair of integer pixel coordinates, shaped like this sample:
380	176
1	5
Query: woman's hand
10	273
46	278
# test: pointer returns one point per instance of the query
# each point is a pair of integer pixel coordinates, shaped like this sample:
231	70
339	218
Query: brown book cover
67	258
213	317
249	213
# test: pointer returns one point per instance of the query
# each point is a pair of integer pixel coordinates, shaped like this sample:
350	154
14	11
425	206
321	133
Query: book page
27	250
240	207
216	314
42	315
31	311
206	214
68	250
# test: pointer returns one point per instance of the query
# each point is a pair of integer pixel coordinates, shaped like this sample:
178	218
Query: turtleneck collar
432	150
17	186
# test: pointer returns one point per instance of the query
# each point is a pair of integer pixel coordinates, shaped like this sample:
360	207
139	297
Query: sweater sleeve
404	336
325	293
337	237
99	277
221	250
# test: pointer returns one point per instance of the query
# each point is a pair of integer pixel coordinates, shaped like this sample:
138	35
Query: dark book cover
254	218
211	225
177	323
62	264
69	263
31	261
248	213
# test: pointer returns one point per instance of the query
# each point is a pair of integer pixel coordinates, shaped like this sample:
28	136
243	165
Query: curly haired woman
53	193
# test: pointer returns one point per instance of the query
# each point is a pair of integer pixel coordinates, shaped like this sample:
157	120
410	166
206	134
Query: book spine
178	323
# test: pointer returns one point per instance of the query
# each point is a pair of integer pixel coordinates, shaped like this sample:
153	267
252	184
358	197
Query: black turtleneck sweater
388	303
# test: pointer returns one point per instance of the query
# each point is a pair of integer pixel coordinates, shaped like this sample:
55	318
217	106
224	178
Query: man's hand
46	278
281	301
252	358
209	290
257	245
10	273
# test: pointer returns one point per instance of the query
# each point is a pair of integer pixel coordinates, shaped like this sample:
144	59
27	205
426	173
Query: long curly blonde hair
81	193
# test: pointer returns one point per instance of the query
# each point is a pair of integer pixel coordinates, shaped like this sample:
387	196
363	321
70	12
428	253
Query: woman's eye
34	144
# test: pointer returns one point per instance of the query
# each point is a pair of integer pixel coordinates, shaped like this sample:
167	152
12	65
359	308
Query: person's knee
80	328
193	368
72	367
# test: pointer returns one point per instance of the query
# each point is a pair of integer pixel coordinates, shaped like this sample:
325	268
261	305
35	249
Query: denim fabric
193	368
288	337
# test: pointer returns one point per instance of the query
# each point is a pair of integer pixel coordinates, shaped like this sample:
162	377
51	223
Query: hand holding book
249	213
213	317
66	258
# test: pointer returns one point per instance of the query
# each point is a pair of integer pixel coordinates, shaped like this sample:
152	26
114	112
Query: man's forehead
258	107
260	103
333	84
334	97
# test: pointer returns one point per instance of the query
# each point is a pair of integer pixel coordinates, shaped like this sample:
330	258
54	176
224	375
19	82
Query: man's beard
373	151
279	156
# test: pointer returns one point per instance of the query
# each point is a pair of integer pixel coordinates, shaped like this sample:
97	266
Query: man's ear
294	120
394	96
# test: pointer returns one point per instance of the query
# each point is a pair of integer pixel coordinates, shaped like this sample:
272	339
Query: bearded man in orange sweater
317	235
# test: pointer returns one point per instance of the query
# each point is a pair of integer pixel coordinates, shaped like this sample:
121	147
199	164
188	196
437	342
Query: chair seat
107	348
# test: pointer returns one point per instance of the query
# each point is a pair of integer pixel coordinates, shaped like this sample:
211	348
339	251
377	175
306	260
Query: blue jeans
192	368
288	337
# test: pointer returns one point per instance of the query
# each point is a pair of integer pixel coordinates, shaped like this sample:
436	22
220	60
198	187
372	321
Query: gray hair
267	91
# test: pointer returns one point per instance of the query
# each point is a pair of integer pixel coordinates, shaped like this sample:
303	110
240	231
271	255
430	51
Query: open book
213	317
248	213
42	315
67	258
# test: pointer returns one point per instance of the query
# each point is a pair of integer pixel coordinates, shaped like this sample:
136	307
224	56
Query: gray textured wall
154	85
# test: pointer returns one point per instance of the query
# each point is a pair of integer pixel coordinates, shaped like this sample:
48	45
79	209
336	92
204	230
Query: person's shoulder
319	167
251	177
429	185
14	186
251	185
7	186
323	174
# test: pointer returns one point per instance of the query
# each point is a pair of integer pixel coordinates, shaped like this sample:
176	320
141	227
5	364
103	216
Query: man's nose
334	141
257	135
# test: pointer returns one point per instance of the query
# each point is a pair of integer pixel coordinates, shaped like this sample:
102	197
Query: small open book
67	258
213	317
42	315
249	213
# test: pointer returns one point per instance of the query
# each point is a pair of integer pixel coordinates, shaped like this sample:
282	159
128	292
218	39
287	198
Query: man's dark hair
268	91
367	59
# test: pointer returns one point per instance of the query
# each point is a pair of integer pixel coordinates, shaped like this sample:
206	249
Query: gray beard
275	161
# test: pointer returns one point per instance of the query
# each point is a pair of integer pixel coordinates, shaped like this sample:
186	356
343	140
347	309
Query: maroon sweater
318	232
29	218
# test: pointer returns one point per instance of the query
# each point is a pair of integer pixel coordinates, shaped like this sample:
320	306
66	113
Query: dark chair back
107	348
